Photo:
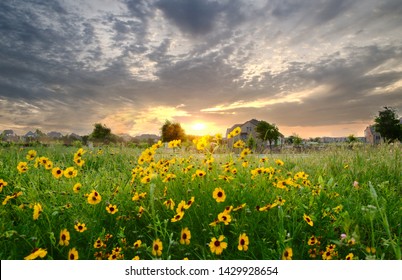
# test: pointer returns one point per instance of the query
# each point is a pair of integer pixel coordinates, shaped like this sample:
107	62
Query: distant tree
251	143
294	139
387	124
352	139
172	131
268	132
101	133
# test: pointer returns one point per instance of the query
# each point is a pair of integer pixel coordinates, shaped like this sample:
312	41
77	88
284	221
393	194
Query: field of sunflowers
167	203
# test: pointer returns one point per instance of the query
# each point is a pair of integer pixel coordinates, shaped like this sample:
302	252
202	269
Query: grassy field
120	203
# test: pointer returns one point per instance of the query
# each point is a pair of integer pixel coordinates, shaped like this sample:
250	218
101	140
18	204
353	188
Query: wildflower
356	185
239	207
312	253
22	167
57	172
137	244
349	256
181	207
219	195
177	217
37	252
308	220
37	210
140	211
279	201
218	245
169	204
236	131
157	247
200	173
370	250
279	162
79	153
146	179
287	254
243	242
239	144
112	209
70	172
98	243
80	227
31	155
94	197
77	187
2	184
225	178
185	236
136	258
79	161
169	177
225	218
312	241
245	152
64	237
189	203
48	165
73	254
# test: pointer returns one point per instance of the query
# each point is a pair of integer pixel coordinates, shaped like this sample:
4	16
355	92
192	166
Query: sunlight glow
199	126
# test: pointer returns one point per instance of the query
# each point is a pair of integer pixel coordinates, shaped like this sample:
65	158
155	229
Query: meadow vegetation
167	203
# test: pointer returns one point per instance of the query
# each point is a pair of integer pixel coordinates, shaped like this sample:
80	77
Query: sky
313	68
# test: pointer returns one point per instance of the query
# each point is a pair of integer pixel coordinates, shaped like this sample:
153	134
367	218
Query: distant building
372	136
54	135
248	130
30	135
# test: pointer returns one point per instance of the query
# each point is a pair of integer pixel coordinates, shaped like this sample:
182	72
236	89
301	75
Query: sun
198	126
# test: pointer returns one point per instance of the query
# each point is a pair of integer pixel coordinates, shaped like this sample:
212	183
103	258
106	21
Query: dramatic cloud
312	67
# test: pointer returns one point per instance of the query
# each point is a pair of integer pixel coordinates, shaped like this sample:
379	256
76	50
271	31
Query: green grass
368	214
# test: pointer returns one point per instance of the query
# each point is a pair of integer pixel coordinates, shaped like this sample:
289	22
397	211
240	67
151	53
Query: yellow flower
80	227
219	195
49	165
349	256
22	167
157	247
308	220
64	237
37	210
79	153
79	161
70	172
57	172
200	173
37	252
73	254
279	162
169	204
177	217
2	184
137	244
77	187
239	144
98	243
218	245
287	254
31	155
224	218
243	242
189	203
185	236
94	197
112	209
